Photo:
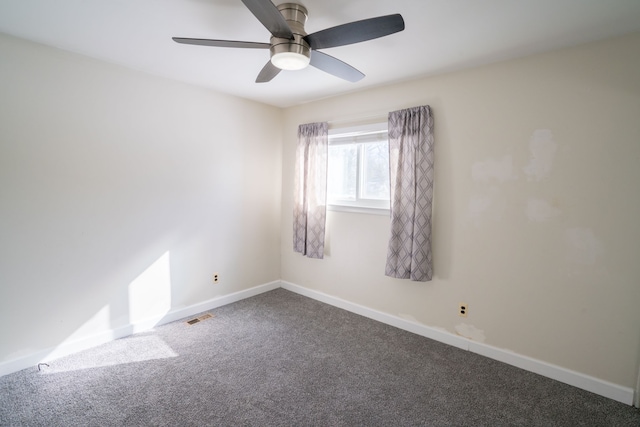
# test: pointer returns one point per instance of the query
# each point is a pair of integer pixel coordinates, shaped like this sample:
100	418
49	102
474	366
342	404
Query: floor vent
199	319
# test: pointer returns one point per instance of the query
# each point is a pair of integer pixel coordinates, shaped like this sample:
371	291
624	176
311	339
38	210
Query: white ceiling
440	36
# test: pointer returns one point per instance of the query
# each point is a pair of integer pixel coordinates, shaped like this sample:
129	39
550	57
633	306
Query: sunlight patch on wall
150	293
98	322
127	350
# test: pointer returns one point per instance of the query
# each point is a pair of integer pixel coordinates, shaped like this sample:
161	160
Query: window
358	169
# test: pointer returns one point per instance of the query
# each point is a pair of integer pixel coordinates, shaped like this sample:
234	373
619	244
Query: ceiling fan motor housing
296	53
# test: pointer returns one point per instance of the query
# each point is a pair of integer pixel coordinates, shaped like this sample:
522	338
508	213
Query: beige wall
535	215
109	177
122	193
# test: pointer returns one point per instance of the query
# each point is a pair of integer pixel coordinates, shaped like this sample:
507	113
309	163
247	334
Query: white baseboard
636	399
64	349
576	379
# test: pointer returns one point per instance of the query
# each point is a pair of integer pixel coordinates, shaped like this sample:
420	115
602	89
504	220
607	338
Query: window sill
359	209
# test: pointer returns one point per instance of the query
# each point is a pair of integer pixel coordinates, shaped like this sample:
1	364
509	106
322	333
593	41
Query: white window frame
354	135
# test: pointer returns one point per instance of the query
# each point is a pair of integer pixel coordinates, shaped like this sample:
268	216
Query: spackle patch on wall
490	205
491	169
539	210
478	204
583	247
408	317
470	331
543	150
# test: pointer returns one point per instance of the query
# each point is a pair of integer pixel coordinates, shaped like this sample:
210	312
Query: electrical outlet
463	309
216	277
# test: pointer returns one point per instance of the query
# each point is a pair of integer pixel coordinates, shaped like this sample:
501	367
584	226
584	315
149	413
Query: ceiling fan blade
268	72
331	65
221	43
269	15
355	32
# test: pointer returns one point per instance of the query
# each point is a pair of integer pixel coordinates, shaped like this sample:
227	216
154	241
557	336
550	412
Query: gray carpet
280	359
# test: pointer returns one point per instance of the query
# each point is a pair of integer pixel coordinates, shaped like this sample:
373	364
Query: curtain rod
382	115
356	119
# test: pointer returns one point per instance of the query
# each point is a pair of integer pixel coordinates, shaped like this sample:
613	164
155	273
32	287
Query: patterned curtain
310	198
411	175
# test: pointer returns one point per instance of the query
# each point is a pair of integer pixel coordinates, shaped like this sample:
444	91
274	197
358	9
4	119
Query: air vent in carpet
199	319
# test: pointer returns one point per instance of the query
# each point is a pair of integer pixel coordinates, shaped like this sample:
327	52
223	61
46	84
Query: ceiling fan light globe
290	60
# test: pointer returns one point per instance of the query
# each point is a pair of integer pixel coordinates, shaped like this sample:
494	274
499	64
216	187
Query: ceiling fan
291	48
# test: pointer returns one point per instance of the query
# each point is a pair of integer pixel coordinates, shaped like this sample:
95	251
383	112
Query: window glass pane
375	171
342	172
